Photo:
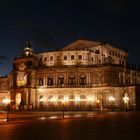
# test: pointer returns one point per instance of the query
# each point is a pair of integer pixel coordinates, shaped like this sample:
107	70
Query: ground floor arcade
41	98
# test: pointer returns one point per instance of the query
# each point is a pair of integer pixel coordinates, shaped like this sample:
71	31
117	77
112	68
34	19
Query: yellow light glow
27	53
66	99
63	101
111	99
77	99
89	99
52	100
6	101
42	100
97	101
126	99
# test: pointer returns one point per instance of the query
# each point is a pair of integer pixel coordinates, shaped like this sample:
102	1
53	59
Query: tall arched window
60	80
41	81
82	80
83	97
71	97
50	97
61	97
71	80
50	81
41	101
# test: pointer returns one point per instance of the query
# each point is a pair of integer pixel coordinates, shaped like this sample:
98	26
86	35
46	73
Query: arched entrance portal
126	101
18	100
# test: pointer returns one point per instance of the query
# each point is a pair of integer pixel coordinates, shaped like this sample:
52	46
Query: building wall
62	96
83	75
4	90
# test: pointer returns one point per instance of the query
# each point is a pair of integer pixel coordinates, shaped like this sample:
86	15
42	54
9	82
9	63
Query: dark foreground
106	126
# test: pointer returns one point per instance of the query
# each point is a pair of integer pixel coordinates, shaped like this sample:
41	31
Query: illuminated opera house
84	75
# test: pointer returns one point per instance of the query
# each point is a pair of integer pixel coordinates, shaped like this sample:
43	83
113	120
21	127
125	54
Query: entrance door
18	100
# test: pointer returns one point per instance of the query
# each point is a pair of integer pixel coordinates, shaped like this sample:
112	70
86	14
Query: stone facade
85	75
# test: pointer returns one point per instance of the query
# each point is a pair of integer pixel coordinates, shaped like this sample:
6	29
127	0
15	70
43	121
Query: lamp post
7	102
63	103
111	99
126	100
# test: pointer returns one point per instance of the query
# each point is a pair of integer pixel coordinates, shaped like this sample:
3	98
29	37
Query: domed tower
27	50
22	76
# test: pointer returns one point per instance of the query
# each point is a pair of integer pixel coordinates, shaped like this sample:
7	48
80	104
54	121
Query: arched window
41	81
82	80
71	97
40	97
60	80
82	97
50	97
61	97
41	101
71	80
50	81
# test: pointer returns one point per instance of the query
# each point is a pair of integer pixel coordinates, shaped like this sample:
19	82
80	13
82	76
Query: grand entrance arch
126	101
17	100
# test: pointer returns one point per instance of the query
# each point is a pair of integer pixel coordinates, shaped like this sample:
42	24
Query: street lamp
111	99
7	102
63	104
126	100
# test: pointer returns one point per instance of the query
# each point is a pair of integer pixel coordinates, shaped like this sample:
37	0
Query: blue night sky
54	24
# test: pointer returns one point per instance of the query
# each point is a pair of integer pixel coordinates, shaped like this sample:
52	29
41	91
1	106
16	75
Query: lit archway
72	102
41	100
18	100
82	102
50	102
126	101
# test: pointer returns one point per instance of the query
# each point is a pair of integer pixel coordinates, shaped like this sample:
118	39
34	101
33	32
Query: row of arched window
61	97
60	80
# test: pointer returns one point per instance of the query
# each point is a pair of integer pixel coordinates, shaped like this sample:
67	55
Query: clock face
22	66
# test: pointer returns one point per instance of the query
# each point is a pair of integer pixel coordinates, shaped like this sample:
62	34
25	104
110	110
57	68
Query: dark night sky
53	24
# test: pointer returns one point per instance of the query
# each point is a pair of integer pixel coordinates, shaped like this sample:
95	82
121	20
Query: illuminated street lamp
126	100
7	102
111	99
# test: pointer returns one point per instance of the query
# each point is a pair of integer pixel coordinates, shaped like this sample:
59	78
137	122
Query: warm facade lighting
125	99
6	101
72	78
66	99
111	99
42	100
97	101
77	99
53	100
